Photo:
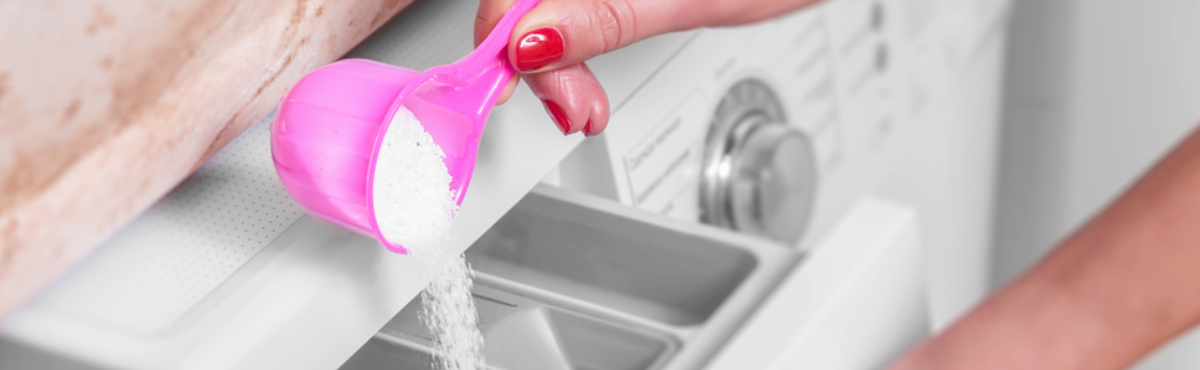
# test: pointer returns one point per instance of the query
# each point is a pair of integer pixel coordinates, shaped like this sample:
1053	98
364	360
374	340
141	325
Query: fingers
489	13
550	43
540	40
559	33
508	90
573	98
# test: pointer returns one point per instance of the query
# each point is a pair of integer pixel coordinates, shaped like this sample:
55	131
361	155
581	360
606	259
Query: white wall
1097	91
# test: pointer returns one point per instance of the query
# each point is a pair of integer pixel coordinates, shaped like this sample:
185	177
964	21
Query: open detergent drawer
597	285
566	280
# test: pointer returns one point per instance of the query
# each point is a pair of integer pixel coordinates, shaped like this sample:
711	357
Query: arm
1124	284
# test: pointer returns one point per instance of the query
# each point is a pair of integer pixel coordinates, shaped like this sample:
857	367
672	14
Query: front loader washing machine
812	191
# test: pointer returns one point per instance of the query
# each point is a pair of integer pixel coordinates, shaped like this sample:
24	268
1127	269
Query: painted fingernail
587	128
558	114
539	48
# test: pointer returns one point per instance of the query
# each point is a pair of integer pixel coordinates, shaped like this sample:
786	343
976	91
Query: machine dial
759	172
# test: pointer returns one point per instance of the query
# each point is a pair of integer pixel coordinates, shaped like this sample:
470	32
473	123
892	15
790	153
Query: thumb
559	33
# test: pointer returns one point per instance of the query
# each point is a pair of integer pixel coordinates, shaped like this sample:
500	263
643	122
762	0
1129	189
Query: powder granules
414	207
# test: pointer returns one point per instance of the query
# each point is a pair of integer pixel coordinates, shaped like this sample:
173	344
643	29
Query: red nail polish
539	48
587	128
558	114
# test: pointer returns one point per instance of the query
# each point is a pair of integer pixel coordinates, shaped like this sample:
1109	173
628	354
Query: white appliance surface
828	316
896	97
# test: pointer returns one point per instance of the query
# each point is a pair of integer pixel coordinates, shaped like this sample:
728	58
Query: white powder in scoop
413	201
414	207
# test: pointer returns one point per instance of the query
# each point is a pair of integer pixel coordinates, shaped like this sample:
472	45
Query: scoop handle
489	61
495	45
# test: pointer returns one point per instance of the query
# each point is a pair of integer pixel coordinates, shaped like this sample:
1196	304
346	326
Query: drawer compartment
610	260
568	280
522	333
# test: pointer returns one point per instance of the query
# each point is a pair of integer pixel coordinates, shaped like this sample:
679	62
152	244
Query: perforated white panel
150	274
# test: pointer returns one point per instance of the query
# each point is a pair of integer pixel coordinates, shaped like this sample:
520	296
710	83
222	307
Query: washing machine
777	129
811	191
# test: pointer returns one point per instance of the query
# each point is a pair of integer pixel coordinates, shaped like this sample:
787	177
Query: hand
550	43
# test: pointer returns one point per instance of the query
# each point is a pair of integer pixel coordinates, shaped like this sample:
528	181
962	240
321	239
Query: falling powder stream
449	312
414	207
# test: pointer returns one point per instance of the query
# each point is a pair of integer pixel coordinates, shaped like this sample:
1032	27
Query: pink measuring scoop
327	133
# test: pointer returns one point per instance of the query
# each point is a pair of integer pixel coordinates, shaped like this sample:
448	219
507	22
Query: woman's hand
551	43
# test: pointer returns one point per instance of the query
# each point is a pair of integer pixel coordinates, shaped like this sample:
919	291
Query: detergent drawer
590	283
